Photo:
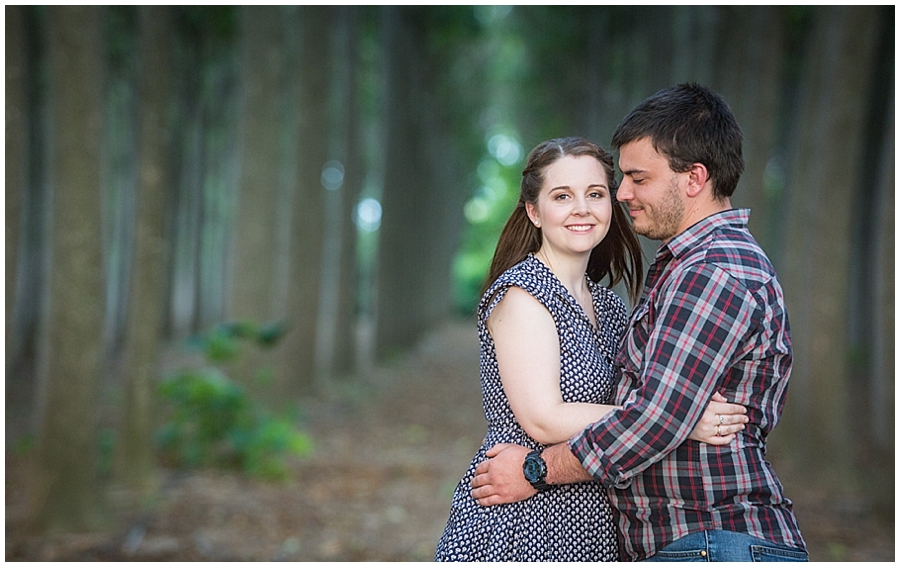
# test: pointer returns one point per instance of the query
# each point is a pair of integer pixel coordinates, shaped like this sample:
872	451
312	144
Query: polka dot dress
567	522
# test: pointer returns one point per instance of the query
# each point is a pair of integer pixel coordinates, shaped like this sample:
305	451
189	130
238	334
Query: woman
549	332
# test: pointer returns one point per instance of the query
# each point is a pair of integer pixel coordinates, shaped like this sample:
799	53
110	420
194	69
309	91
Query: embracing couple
611	439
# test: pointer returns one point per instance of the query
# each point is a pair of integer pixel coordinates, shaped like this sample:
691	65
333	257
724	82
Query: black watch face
533	469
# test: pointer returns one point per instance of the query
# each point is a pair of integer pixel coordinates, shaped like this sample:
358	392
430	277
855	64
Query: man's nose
624	192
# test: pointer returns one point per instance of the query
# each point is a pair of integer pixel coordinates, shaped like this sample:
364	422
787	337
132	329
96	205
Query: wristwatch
535	470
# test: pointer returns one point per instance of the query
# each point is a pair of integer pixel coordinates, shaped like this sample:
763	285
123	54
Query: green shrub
214	422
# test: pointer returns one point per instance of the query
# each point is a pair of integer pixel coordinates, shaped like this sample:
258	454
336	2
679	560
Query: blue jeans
719	545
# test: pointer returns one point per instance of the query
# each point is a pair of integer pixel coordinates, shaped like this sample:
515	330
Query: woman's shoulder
526	275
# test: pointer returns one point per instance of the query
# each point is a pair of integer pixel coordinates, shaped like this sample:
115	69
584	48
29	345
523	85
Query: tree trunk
344	351
256	219
817	258
297	352
31	281
422	201
67	495
695	29
119	171
219	105
207	168
751	45
16	149
600	124
870	325
188	221
146	304
398	254
881	392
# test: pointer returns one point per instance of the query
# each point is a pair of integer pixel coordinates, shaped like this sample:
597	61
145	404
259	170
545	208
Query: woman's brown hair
618	256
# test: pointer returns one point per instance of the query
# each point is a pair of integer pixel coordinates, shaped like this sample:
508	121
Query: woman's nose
581	206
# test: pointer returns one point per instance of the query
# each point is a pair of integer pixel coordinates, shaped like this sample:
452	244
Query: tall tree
870	322
881	391
877	451
257	223
599	122
403	237
146	304
817	258
423	196
206	67
297	352
190	168
119	171
344	352
30	283
16	147
748	74
18	389
66	492
695	31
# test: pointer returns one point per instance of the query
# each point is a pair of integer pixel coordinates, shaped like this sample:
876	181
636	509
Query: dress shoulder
530	275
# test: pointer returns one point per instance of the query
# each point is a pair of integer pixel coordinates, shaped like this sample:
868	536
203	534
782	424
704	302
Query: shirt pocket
631	353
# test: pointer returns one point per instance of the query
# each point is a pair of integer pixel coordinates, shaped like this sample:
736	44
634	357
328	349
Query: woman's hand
720	422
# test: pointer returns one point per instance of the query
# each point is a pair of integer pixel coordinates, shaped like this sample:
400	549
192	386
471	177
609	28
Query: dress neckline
571	298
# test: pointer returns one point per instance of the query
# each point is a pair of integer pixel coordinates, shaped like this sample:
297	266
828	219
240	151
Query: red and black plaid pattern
711	318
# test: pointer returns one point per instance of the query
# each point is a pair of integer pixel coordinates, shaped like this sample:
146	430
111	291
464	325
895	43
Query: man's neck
701	209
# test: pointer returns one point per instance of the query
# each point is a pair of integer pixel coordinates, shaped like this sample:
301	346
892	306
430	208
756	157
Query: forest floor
388	452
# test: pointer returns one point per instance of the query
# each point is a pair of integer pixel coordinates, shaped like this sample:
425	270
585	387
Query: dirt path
389	452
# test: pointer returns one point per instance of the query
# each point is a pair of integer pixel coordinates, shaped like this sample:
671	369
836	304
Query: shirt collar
688	240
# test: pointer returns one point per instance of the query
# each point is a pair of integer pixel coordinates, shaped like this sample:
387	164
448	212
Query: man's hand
499	478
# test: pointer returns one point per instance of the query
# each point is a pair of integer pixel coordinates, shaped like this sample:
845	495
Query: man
711	319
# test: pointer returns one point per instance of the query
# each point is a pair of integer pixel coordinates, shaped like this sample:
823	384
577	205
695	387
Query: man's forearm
562	466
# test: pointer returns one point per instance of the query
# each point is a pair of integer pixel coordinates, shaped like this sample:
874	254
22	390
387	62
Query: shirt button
703	553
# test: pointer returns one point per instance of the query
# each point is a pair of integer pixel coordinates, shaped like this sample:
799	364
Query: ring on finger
721	419
718	430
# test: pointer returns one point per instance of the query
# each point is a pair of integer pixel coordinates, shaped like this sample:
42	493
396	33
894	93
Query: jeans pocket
687	555
761	553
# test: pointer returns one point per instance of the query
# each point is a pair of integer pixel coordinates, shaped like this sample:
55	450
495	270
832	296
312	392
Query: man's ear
698	177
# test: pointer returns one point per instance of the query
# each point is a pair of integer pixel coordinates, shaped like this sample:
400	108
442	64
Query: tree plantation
295	195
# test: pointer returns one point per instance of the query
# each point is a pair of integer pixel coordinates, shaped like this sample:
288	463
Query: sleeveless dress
566	522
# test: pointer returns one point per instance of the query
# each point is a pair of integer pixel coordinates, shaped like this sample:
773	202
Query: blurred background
220	218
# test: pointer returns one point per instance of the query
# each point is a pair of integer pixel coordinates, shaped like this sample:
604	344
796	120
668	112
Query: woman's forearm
558	422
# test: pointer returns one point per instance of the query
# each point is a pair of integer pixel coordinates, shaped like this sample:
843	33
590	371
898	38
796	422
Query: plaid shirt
711	318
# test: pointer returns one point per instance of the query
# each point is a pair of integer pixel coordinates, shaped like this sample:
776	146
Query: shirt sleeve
702	320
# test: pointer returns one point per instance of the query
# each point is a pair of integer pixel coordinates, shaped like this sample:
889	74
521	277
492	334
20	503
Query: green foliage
486	213
214	422
222	343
